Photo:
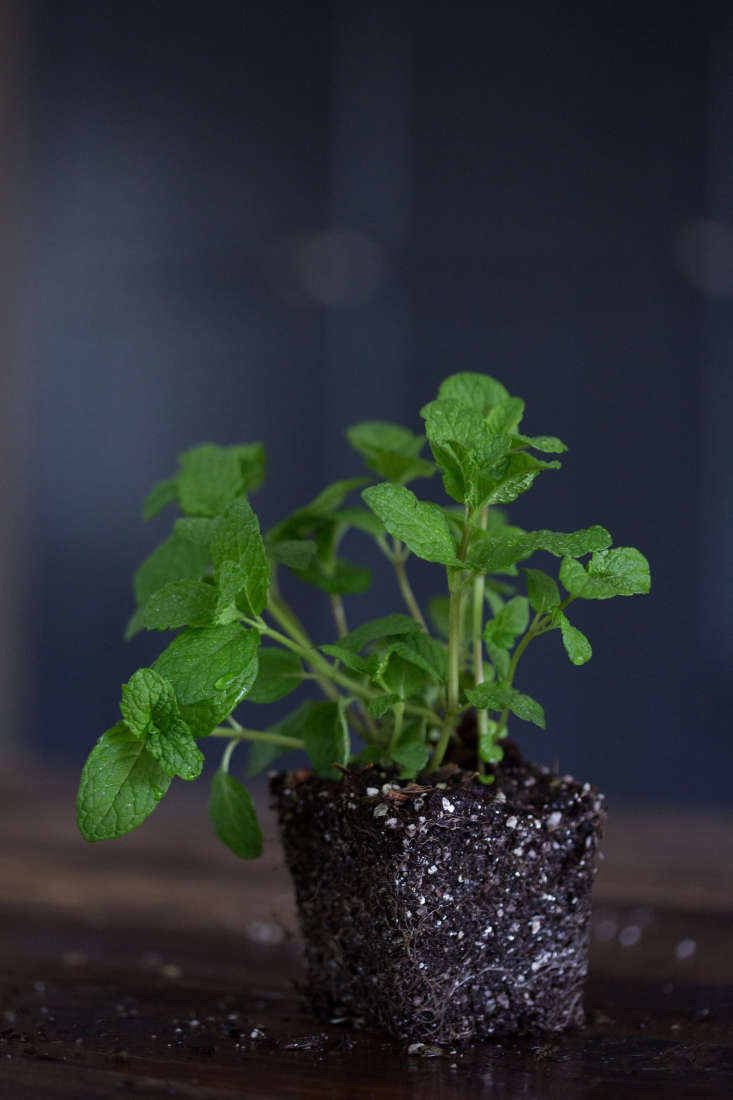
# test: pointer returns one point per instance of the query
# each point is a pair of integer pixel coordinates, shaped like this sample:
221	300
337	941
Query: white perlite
511	822
381	809
554	820
448	806
371	791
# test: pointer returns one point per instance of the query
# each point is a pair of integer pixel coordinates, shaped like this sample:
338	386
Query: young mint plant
402	689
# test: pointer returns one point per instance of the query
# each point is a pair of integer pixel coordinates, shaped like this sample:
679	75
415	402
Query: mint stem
399	713
339	615
398	560
241	734
226	756
539	625
325	669
455	585
479	590
287	619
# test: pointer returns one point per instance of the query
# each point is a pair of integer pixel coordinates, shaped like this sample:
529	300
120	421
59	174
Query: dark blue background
269	221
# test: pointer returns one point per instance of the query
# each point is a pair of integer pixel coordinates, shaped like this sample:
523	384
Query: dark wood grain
161	966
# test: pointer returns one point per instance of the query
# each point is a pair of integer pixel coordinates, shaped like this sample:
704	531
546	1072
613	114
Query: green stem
399	713
287	618
398	560
284	614
537	626
241	734
540	625
455	586
326	670
339	614
479	590
226	756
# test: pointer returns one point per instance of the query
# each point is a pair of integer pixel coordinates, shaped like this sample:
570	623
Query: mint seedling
402	689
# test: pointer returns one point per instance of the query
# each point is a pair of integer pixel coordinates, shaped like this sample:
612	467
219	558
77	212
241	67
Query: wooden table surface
160	965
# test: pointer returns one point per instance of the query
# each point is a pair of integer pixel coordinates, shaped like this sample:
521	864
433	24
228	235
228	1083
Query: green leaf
371	754
411	751
464	447
261	755
577	646
150	710
198	529
438	611
362	519
326	738
252	461
135	624
162	493
500	660
493	599
293	723
176	559
623	571
176	751
332	497
480	391
121	784
340	578
575	579
508	623
280	672
382	435
548	444
231	580
501	696
362	665
323	507
421	525
148	700
375	629
237	539
399	469
233	816
626	566
544	595
401	677
211	669
210	477
389	449
294	553
424	652
490	555
489	749
380	704
517	475
505	415
180	603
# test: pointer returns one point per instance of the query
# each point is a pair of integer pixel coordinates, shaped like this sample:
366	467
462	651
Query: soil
445	910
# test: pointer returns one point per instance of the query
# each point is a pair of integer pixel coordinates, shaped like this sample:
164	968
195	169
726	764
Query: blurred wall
13	660
287	217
